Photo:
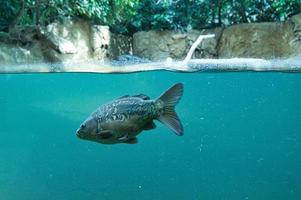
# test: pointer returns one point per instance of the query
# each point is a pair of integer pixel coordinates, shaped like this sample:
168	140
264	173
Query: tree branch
195	44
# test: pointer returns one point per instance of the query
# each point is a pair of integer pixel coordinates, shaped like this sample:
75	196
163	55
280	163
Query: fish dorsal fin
142	96
124	96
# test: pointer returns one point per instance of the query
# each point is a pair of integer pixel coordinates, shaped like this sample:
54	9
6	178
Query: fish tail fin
169	117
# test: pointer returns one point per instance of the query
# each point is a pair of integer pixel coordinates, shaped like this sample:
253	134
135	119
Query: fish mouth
78	134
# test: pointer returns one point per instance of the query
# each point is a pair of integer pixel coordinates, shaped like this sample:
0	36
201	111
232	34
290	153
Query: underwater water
242	134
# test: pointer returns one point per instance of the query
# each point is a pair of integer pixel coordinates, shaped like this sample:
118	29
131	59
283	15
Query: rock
253	40
152	45
61	42
256	40
295	42
13	54
108	45
128	60
79	41
67	41
66	47
100	41
178	36
159	45
119	45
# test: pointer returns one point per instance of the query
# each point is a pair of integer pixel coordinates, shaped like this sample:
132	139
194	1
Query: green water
242	138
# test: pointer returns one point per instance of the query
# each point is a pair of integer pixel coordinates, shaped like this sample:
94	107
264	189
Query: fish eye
83	126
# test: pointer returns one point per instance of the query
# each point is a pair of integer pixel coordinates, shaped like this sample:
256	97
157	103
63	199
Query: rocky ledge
79	40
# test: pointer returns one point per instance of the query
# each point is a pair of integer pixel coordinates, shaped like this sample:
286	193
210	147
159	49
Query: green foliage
120	14
128	16
8	10
186	14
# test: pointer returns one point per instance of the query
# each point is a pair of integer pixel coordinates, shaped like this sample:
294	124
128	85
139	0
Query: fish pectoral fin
128	140
149	126
105	134
123	138
133	140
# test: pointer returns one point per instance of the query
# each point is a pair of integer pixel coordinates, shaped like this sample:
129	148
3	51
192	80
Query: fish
121	120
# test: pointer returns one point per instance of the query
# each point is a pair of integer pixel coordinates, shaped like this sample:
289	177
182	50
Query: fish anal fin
133	140
149	126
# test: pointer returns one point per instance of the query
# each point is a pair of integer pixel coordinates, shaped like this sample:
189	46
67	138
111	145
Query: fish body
122	119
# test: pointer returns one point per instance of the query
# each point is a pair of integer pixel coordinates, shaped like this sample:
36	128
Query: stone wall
68	41
254	40
14	54
80	41
262	40
257	40
158	45
295	42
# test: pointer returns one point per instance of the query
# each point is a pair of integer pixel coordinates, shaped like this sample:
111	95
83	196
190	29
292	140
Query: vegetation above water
128	16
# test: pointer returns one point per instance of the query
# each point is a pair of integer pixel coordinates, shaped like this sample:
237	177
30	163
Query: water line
193	65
